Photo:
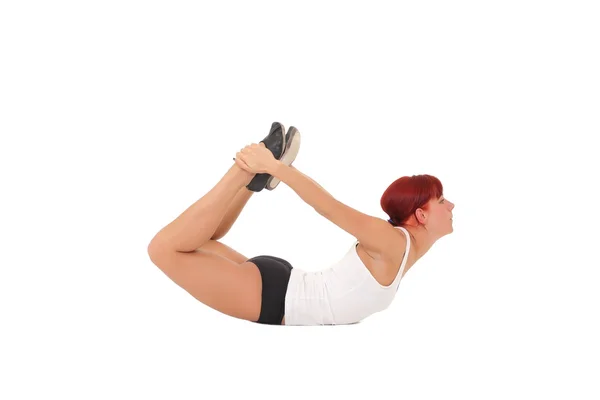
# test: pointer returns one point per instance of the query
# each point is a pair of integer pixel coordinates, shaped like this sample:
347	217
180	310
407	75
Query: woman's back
344	293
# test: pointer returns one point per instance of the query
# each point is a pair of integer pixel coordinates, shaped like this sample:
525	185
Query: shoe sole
289	155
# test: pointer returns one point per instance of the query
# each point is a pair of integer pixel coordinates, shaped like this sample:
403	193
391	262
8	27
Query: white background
116	116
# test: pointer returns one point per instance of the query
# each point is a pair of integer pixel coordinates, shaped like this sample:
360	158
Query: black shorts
275	273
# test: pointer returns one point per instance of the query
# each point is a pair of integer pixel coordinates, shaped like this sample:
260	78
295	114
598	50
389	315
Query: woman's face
440	215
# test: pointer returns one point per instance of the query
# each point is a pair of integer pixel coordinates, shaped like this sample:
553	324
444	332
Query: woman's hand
256	158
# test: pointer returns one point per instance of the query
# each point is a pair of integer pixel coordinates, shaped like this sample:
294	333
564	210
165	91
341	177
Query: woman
267	289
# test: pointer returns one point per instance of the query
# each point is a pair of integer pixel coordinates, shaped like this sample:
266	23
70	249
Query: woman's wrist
276	169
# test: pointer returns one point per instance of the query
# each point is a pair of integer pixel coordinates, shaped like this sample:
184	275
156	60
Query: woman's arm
374	233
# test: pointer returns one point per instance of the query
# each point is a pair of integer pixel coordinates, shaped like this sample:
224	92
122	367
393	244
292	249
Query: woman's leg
217	247
235	208
220	283
232	214
199	223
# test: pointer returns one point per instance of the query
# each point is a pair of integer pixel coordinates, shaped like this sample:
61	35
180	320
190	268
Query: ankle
242	174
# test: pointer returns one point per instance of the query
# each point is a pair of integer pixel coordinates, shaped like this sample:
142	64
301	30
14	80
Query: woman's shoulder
385	265
396	242
402	240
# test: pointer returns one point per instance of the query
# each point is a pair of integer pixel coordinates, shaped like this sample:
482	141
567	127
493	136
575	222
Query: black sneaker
275	142
292	146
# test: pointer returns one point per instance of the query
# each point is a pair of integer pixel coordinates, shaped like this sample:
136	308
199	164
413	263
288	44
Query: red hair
402	198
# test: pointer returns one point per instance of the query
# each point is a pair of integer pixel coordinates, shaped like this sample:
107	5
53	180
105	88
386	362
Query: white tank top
344	293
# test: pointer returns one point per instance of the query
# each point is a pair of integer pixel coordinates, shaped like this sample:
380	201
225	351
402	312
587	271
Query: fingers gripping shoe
292	146
275	142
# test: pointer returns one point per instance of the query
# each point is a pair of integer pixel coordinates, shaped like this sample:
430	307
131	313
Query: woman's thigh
217	247
218	282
